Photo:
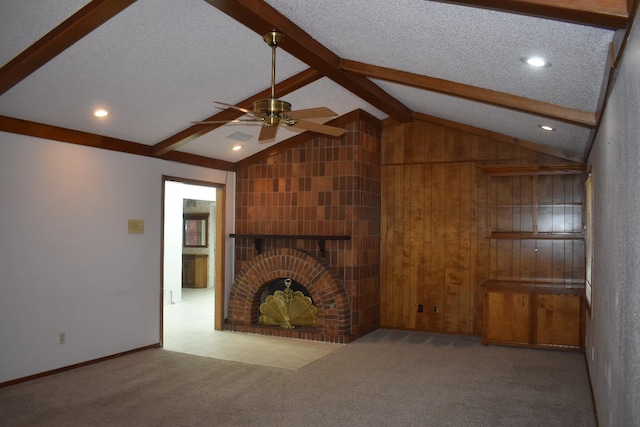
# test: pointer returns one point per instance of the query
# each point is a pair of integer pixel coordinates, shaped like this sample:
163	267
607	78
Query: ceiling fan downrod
273	38
269	109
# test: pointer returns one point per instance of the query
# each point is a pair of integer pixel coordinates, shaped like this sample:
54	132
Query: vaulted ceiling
159	65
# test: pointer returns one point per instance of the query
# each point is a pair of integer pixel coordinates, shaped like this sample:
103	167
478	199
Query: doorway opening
192	259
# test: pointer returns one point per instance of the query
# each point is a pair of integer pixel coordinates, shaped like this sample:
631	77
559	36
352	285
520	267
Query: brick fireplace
324	288
318	186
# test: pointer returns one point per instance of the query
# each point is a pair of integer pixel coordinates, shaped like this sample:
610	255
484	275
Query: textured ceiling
159	65
24	22
461	44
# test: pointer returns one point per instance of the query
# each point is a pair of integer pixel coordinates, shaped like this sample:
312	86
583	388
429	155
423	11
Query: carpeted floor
387	378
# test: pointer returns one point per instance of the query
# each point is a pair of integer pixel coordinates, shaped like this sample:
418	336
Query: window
588	190
196	230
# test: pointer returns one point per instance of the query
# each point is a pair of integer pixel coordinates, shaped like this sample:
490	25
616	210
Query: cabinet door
200	271
507	317
188	271
558	320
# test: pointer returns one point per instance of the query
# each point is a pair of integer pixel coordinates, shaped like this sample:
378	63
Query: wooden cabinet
535	201
508	320
194	271
541	315
557	320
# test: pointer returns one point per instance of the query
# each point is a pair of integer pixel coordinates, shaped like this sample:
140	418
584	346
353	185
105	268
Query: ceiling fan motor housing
269	110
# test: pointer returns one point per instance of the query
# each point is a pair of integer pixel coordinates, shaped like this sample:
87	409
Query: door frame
218	249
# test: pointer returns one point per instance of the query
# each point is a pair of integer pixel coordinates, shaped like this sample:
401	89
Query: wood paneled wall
434	249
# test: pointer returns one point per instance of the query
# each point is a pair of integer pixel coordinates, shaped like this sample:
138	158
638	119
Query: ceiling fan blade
244	110
310	113
211	122
317	127
267	132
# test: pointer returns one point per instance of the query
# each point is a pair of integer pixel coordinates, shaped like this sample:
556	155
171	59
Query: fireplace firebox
288	307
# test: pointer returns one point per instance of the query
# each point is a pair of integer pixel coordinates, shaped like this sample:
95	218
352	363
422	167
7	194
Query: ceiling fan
272	111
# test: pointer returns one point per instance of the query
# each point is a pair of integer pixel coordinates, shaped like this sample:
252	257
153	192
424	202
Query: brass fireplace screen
288	309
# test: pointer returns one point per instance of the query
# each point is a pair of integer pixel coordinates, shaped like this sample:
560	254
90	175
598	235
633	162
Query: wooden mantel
258	239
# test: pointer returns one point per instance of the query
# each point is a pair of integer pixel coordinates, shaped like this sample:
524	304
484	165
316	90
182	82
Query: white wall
613	332
67	263
172	268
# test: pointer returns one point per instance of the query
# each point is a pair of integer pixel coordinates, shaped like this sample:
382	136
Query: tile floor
188	328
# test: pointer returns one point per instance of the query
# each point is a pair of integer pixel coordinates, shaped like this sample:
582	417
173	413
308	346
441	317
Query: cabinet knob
542	302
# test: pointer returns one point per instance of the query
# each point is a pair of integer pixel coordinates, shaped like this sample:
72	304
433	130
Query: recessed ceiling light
535	61
101	113
237	147
547	128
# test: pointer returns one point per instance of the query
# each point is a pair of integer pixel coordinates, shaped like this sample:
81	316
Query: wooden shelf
534	201
553	169
539	236
538	204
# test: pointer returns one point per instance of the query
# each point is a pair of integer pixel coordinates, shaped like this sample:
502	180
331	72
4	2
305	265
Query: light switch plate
135	226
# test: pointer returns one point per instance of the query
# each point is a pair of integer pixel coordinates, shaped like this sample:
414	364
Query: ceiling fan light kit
272	111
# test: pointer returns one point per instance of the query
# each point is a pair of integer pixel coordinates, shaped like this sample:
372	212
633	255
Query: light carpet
387	378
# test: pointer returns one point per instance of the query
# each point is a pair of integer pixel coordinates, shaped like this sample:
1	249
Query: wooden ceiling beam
57	40
612	14
54	133
499	99
262	18
287	86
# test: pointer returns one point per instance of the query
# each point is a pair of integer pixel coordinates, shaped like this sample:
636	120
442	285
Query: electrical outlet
420	308
61	338
436	310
